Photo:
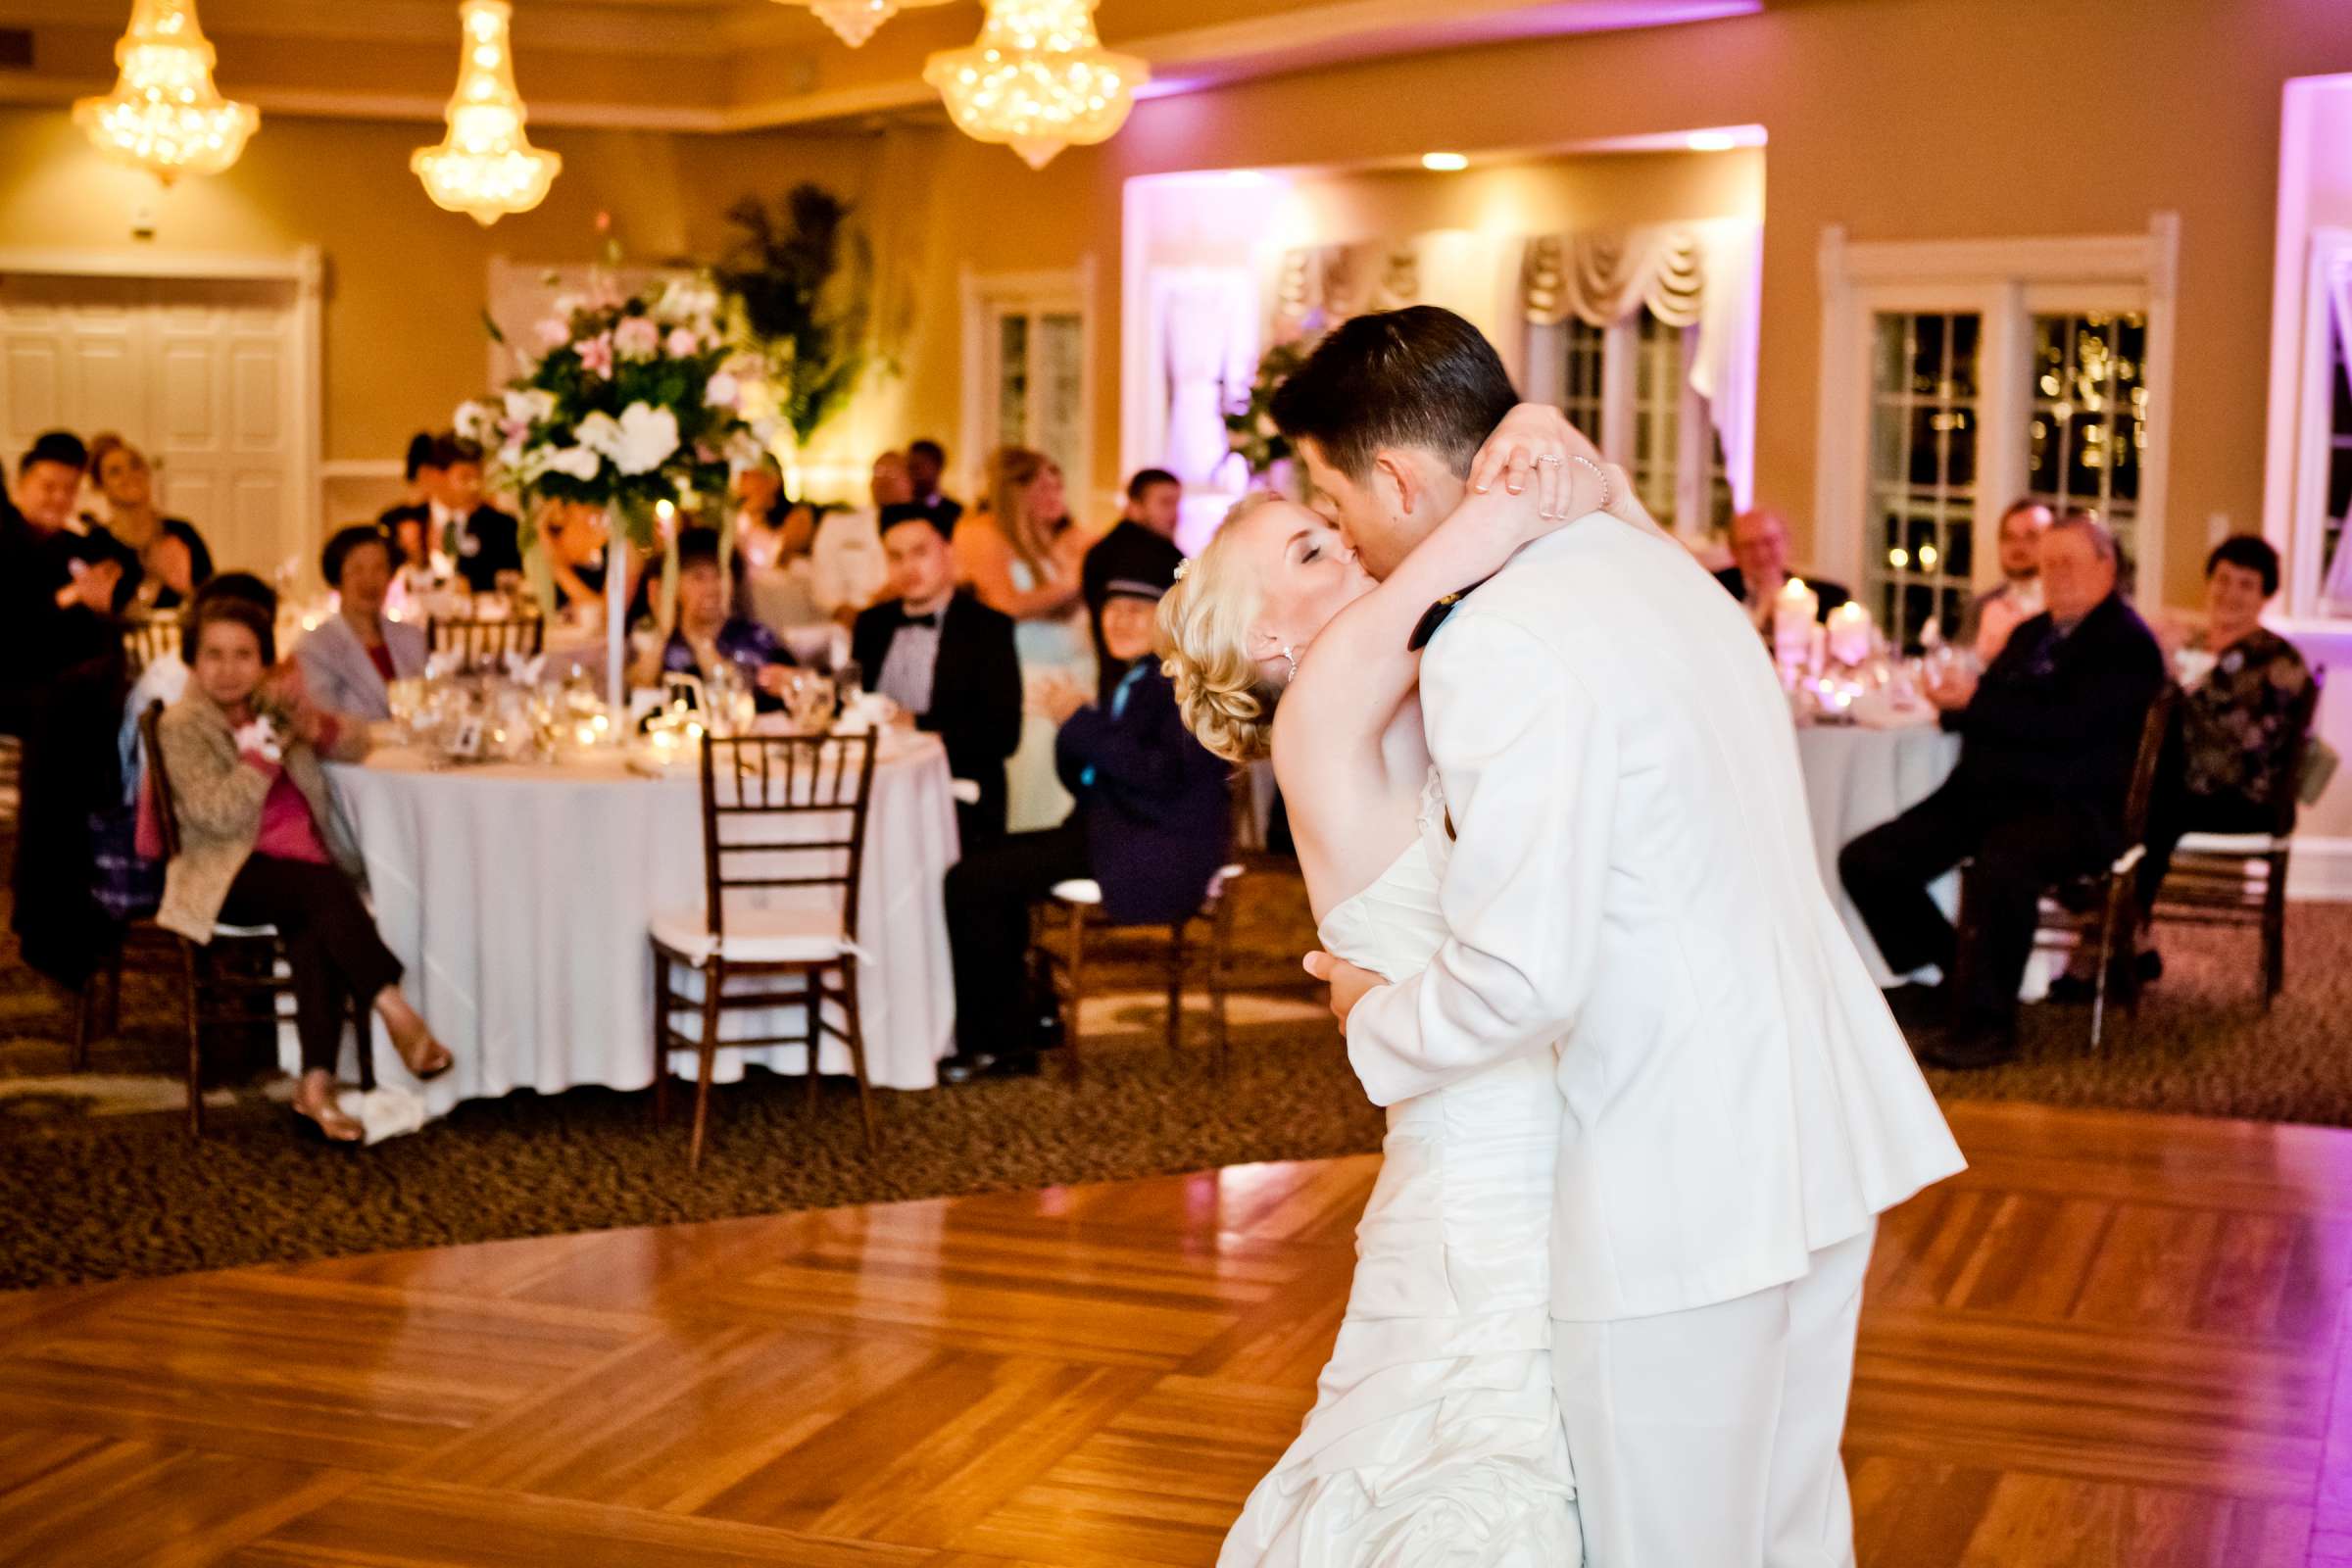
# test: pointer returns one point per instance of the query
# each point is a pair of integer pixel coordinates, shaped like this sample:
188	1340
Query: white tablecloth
518	899
1857	778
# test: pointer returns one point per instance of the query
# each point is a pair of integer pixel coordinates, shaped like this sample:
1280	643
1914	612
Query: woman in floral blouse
2242	687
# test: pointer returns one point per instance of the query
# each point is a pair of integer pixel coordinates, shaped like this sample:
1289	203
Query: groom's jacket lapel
1426	626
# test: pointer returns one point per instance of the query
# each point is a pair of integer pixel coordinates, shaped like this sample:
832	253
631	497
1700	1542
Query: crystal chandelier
854	19
487	167
165	115
1038	81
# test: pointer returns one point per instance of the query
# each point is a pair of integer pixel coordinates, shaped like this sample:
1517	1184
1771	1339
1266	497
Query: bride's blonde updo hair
1205	627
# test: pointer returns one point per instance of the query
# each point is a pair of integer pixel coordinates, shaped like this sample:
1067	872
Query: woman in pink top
259	844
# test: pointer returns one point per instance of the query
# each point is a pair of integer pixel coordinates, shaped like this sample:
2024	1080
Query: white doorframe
982	295
305	269
2005	279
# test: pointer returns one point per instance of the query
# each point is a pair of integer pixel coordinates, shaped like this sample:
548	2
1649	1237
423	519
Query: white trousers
1708	1438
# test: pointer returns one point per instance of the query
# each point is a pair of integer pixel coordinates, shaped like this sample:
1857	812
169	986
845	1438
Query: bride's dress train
1436	1440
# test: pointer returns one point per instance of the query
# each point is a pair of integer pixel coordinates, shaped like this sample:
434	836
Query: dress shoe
1966	1049
966	1070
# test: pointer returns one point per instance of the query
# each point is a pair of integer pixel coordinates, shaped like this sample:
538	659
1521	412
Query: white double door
198	373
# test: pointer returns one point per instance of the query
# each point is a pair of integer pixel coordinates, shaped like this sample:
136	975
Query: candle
1793	624
1849	633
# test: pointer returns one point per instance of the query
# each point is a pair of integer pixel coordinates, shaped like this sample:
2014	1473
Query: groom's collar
1436	614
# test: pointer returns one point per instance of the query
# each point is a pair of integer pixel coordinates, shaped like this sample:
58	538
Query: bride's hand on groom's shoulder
1348	983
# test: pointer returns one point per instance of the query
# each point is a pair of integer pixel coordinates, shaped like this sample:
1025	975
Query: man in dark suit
926	462
2048	738
482	540
1150	828
948	660
1761	569
1141	547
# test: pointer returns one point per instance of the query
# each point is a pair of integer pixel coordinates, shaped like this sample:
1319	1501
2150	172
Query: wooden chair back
146	641
2155	731
166	809
483	645
2287	778
785	811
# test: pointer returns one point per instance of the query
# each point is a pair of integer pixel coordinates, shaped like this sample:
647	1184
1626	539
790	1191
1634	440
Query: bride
1435	1437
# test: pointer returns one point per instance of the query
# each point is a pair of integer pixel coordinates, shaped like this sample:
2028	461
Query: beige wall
406	281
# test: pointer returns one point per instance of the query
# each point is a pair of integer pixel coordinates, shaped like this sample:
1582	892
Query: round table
518	896
1857	778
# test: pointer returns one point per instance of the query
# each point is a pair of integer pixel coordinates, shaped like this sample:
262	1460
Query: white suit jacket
343	678
1630	875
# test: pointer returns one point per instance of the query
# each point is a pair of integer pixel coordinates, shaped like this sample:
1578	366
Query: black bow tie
931	620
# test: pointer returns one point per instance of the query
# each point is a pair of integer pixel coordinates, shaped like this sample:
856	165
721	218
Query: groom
1628	875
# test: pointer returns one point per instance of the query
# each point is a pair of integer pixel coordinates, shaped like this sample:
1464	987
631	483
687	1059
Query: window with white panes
2335	582
1583	393
1025	382
1628	386
1924	429
2089	418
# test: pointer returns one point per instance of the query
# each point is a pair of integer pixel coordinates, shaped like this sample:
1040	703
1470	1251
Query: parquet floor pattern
2120	1340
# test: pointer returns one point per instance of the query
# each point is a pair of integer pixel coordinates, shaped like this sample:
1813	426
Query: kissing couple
1644	1102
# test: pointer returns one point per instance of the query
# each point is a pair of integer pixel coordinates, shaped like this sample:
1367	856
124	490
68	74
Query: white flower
683	344
600	433
554	332
475	419
637	338
577	461
647	437
722	391
530	406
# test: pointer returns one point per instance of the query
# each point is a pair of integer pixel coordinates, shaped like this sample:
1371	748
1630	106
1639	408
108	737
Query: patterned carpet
99	1181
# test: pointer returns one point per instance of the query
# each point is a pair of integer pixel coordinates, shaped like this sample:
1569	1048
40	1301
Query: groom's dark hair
1415	377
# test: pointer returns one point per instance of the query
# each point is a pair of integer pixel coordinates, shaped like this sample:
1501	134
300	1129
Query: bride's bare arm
1361	667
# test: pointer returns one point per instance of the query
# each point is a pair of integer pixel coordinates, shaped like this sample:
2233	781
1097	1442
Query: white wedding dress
1435	1440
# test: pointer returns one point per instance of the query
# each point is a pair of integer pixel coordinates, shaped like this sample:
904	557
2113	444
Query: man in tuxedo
1150	828
946	659
926	462
57	588
1141	547
2048	736
1760	568
482	540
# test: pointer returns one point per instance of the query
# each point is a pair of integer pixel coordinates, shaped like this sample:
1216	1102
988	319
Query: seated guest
1150	827
2049	737
166	676
1992	615
946	659
707	633
169	560
926	462
575	541
419	466
1140	547
849	568
480	539
1759	568
2236	718
352	657
770	527
260	845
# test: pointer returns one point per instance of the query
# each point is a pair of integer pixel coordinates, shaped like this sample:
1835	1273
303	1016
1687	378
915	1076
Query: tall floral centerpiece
1250	433
633	405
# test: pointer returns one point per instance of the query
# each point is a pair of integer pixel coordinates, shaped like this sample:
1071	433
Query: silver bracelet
1578	456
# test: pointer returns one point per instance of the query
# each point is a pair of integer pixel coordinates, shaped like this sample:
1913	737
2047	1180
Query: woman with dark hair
2241	687
260	845
167	557
351	660
708	632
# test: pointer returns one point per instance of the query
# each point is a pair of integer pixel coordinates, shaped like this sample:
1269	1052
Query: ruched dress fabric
1436	1439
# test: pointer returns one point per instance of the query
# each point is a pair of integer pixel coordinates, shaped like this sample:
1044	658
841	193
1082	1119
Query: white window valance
1705	273
1323	284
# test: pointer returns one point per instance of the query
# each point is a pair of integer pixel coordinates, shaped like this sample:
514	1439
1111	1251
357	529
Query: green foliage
798	280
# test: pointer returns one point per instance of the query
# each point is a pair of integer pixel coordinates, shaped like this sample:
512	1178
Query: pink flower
683	344
636	338
554	332
596	355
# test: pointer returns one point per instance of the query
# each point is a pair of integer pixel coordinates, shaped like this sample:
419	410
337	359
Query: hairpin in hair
1182	566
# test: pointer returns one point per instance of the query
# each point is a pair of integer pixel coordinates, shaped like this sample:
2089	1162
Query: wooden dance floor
2118	1341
